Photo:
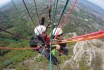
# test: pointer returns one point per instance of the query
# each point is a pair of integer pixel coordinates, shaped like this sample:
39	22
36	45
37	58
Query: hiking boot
59	54
55	61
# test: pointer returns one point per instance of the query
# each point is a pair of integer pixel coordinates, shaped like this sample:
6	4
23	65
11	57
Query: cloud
3	1
98	2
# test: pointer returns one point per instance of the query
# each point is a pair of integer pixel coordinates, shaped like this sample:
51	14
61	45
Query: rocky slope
87	55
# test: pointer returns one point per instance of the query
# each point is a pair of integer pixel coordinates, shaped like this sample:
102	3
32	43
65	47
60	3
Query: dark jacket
36	40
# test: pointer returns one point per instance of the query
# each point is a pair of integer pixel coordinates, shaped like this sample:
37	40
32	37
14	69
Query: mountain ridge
92	5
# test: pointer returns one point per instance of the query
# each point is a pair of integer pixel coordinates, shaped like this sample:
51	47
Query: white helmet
57	31
39	29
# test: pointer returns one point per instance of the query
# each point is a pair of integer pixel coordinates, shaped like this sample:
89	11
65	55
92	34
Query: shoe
66	54
59	54
55	61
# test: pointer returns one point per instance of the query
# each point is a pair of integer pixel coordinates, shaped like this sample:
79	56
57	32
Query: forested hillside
16	29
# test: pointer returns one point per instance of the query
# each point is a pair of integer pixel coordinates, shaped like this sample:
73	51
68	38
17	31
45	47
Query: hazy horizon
97	2
3	2
100	3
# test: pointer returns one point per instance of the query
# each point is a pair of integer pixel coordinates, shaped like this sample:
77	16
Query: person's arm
54	41
35	47
34	43
65	40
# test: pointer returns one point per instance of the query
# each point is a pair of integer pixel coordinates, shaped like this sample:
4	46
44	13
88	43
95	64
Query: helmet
57	31
39	29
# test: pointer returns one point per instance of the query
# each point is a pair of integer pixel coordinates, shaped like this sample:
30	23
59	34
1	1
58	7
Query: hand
54	24
64	40
38	47
54	42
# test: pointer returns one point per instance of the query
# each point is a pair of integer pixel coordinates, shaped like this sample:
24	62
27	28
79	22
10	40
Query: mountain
86	2
84	19
86	55
4	4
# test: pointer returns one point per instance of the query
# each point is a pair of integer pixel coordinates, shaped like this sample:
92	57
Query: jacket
38	41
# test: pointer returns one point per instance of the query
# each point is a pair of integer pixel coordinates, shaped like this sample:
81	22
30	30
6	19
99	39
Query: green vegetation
12	22
82	64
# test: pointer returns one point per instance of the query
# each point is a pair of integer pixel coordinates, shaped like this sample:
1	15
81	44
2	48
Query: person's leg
46	54
66	50
50	15
42	21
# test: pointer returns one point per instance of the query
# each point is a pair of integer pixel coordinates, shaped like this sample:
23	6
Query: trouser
65	49
46	54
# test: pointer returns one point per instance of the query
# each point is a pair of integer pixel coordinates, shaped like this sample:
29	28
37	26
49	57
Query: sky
3	1
98	2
